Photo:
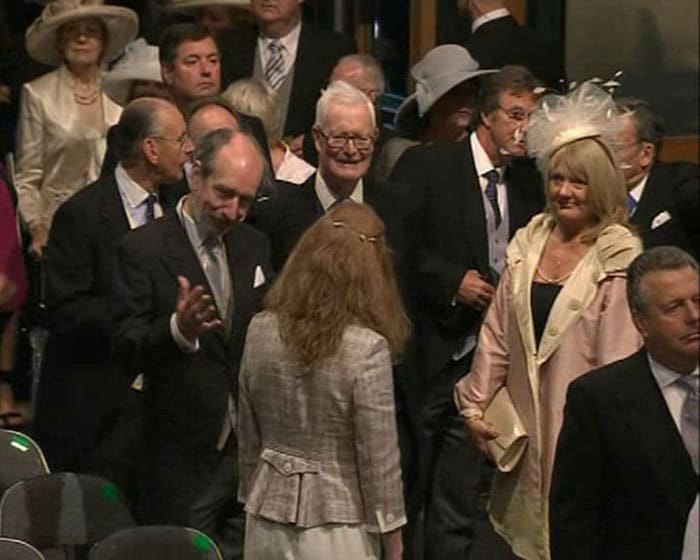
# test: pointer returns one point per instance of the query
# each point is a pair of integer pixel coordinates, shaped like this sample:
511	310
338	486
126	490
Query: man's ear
647	155
317	138
149	149
166	73
196	175
640	323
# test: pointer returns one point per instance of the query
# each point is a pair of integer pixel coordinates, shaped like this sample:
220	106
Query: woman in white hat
64	115
441	107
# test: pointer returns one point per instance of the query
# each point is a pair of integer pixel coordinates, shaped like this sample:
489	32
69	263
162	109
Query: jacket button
389	517
287	466
553	331
575	305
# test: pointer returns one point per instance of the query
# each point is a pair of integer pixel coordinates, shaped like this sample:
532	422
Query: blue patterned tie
151	207
492	178
274	69
631	204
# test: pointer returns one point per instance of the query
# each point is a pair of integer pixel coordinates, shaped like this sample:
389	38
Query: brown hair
591	162
339	274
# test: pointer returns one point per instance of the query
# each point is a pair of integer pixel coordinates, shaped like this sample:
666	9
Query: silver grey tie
215	270
690	416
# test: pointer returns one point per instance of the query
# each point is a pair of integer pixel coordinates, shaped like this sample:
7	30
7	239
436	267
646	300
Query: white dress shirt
134	198
638	190
290	43
495	14
327	198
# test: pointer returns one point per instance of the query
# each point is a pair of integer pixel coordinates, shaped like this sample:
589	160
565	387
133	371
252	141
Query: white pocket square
259	279
660	219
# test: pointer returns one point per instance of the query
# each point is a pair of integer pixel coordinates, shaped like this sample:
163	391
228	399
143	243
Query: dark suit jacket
80	388
671	188
623	482
454	236
502	41
317	54
186	395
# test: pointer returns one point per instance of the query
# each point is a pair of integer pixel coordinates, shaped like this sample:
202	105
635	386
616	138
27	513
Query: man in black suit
188	286
497	40
294	58
87	416
625	481
664	198
476	194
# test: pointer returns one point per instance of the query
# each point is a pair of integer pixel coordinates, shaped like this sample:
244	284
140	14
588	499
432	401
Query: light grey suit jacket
318	445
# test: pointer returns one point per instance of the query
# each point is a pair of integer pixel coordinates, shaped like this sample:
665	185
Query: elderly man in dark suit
625	482
664	198
476	193
188	286
497	40
294	58
86	416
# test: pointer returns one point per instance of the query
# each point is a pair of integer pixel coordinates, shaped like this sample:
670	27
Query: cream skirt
267	540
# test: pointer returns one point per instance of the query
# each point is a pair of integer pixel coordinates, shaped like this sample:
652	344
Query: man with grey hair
663	198
187	288
344	134
625	482
87	416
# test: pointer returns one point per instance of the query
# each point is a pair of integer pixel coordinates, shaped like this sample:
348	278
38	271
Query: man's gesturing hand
194	310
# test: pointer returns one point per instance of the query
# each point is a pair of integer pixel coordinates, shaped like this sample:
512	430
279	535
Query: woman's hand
481	432
392	545
40	237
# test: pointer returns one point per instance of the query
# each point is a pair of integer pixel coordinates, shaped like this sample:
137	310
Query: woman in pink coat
560	309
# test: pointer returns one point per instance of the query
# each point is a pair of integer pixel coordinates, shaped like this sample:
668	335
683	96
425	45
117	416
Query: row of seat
67	516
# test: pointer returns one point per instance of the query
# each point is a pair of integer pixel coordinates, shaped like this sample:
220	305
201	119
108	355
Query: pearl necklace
85	94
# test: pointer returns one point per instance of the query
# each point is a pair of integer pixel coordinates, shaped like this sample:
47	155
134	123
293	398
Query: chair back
12	549
63	510
156	541
20	458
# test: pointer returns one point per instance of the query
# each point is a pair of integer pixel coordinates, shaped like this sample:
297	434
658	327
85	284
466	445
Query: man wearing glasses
87	415
476	193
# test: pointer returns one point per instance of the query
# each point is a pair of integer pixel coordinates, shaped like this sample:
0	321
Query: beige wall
655	43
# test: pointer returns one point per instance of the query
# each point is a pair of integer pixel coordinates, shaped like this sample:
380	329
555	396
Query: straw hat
140	62
122	26
189	5
441	69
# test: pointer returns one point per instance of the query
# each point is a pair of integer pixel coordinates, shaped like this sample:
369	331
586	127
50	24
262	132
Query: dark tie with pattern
631	204
690	416
492	178
274	69
151	207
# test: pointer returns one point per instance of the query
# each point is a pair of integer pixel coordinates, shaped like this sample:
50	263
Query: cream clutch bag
508	448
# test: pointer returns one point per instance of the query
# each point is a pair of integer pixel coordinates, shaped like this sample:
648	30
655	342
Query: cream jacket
55	157
319	446
588	326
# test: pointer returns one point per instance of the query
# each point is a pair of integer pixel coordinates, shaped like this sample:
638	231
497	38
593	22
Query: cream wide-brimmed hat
441	69
122	26
140	62
189	5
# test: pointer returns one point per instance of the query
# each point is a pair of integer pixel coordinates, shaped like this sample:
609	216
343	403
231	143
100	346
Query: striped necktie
492	194
690	416
274	69
151	207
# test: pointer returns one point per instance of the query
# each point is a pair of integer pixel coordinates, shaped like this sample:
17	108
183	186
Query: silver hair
257	98
370	65
654	259
341	93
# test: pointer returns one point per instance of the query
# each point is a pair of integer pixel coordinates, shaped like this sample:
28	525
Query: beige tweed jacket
319	445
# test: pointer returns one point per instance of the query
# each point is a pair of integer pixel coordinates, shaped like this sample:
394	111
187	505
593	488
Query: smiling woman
64	115
560	308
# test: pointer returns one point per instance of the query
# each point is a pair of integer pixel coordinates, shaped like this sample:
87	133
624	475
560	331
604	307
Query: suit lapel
650	201
474	228
651	426
112	208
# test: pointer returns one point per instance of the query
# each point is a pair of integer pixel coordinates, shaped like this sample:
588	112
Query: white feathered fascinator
586	111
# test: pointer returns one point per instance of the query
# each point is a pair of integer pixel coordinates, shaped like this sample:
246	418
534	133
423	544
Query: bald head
361	71
206	117
227	173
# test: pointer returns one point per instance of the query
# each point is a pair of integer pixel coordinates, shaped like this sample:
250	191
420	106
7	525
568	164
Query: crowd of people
310	336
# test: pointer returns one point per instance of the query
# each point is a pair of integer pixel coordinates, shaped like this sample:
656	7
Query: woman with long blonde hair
318	455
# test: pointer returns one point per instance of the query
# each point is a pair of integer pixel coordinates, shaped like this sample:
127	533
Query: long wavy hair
339	274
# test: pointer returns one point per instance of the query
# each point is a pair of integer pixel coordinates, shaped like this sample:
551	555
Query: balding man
83	418
188	286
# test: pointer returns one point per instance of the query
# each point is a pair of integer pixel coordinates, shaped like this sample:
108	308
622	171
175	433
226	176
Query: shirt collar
495	14
327	198
134	193
195	232
482	162
638	190
289	41
665	376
